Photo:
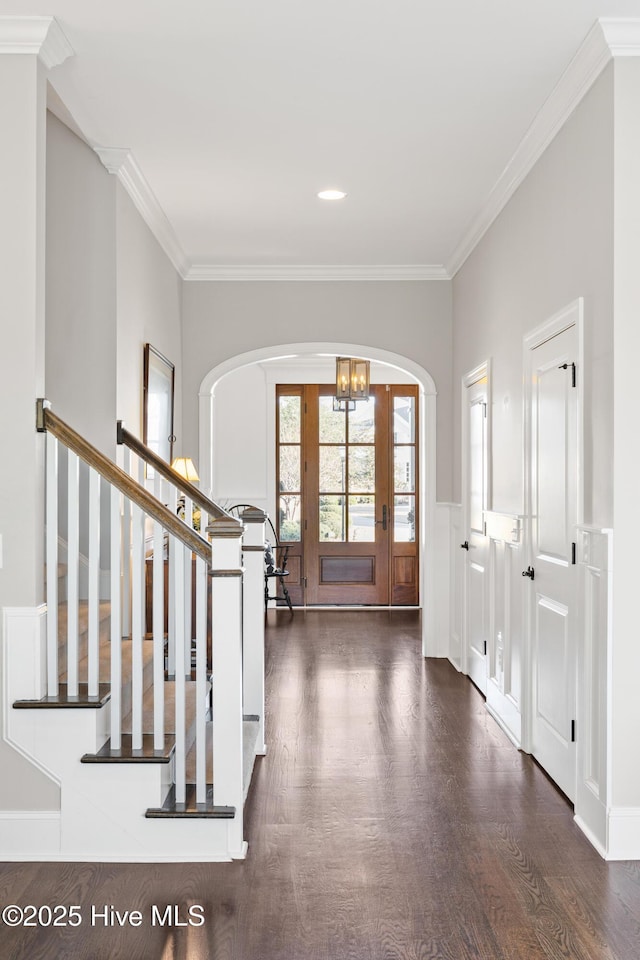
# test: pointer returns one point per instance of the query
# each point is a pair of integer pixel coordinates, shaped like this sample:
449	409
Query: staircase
151	738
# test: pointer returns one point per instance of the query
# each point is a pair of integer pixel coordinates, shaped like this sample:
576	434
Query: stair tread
126	753
63	699
191	809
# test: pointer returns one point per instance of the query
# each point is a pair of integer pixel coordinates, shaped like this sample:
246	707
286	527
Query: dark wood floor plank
391	819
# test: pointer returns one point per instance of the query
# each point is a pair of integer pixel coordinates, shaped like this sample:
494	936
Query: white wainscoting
506	623
447	581
593	554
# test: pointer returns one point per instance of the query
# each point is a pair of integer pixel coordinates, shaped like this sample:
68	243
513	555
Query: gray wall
81	287
222	320
551	244
148	311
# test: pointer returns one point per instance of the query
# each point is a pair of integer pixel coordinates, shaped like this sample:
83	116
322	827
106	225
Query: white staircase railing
201	656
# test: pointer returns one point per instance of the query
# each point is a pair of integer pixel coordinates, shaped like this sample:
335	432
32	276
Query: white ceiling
236	113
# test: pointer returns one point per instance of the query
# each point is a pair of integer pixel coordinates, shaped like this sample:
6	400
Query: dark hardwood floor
390	820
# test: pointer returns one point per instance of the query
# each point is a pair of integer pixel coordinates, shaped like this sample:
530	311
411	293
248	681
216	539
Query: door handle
384	517
529	572
465	545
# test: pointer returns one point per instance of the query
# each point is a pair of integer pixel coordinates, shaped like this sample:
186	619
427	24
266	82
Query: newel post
253	606
226	631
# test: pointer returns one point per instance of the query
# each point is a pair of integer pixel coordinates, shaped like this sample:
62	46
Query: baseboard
503	726
623	833
29	834
591	837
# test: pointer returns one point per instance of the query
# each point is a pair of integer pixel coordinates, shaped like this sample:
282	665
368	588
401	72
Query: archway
427	443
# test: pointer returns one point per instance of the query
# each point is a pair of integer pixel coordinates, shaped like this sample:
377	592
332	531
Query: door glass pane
332	468
333	518
362	469
362	517
404	420
332	424
290	468
404	519
476	466
289	420
289	519
404	469
362	426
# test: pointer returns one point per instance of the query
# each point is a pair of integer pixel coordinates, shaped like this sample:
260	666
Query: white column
226	606
29	46
253	620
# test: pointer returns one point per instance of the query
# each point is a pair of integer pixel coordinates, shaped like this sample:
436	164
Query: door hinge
573	554
565	366
305	524
573	731
484	410
485	648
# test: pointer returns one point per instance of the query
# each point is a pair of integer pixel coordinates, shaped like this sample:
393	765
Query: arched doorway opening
306	352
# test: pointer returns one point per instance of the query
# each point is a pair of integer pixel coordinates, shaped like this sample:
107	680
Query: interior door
477	544
554	474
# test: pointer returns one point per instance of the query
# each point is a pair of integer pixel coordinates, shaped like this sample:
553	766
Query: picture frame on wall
158	400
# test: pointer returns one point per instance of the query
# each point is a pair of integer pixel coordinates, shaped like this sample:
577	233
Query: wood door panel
347	569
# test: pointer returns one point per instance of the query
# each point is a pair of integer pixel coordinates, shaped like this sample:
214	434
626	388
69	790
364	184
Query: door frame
433	644
480	372
569	316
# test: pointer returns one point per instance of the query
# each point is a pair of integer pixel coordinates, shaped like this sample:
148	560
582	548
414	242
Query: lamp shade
185	467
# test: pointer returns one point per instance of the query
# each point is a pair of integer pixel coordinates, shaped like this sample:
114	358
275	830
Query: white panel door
477	544
554	478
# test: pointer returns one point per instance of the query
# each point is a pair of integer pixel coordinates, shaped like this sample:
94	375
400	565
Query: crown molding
320	272
38	36
121	163
607	38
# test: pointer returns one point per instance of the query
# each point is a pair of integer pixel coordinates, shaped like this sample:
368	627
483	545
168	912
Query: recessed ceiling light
332	195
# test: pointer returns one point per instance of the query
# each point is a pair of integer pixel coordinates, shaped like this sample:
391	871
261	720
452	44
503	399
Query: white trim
608	37
623	833
591	837
30	835
121	163
430	640
35	36
314	271
481	372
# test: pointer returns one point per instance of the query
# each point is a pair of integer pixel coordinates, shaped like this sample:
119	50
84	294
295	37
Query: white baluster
93	641
201	680
52	565
188	612
137	601
180	691
116	623
171	627
158	624
73	570
126	553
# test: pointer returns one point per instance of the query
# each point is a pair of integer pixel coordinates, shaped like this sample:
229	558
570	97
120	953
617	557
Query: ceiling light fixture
332	195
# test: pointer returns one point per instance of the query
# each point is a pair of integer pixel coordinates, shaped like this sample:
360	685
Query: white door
552	572
476	544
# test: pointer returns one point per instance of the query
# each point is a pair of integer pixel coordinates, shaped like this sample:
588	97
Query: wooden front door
349	494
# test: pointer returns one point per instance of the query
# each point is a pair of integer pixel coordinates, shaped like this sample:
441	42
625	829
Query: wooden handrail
47	420
163	468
